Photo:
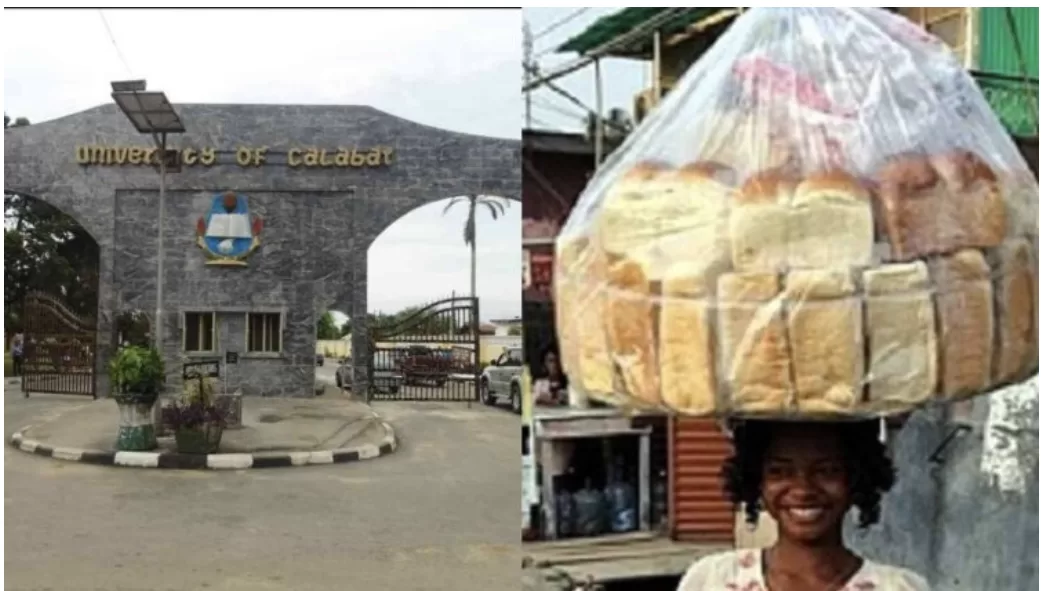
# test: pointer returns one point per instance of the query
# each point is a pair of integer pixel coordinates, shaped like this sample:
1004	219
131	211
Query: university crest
229	233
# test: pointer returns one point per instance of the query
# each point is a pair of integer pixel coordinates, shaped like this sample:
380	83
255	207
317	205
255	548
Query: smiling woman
807	477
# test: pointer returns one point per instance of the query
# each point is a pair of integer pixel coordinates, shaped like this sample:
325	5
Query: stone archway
325	179
361	345
55	278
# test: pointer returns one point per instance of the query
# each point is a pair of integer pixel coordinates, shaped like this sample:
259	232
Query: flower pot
203	439
136	431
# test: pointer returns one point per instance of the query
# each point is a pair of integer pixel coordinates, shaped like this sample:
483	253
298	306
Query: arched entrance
51	296
423	323
315	185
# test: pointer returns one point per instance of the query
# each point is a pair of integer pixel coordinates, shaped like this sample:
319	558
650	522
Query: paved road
440	513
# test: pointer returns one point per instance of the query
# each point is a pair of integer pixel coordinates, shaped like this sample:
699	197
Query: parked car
500	381
422	364
386	377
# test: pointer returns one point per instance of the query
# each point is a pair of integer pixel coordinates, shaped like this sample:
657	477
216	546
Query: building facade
266	226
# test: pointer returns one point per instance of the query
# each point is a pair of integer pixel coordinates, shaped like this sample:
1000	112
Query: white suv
500	382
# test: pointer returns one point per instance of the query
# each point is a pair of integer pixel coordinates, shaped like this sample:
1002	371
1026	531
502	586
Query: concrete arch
318	220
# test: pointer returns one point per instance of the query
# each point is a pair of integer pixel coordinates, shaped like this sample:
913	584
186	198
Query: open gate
432	355
59	348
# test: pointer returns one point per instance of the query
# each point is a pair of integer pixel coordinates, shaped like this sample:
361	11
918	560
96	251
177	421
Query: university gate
302	191
59	348
430	355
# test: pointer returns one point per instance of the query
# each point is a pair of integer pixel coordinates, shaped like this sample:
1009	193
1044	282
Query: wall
334	349
970	523
319	222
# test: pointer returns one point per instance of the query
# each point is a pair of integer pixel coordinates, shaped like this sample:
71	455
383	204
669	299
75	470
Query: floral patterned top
740	570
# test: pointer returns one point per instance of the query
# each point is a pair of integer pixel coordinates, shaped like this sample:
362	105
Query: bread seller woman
808	477
810	287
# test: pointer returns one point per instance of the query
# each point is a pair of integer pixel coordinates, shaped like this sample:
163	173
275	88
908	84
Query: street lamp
150	112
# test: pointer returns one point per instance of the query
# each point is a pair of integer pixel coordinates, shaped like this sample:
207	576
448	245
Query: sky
622	79
455	69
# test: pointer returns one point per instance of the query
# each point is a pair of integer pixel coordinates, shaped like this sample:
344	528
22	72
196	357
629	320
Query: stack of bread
769	282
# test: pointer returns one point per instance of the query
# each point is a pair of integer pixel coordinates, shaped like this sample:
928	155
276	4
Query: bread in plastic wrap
964	301
1015	293
824	218
902	350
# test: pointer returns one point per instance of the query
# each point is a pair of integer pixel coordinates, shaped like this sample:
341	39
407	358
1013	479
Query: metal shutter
699	511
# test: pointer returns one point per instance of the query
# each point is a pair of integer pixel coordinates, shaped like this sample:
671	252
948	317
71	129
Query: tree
45	250
326	327
19	122
497	206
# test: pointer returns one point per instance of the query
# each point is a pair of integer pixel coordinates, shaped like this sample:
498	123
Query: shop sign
539	270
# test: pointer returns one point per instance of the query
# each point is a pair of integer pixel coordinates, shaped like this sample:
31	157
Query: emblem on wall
229	233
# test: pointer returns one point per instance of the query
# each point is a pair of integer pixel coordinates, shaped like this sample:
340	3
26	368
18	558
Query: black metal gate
431	355
59	348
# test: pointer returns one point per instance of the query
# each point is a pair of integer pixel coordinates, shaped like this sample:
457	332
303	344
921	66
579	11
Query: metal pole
599	132
656	68
160	248
527	74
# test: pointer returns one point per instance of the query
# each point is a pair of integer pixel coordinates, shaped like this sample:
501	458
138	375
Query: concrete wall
319	222
969	523
335	349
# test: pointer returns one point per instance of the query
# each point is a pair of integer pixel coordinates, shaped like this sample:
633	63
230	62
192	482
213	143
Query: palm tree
497	206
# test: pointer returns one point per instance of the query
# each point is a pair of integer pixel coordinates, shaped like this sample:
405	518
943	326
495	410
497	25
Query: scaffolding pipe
598	151
656	67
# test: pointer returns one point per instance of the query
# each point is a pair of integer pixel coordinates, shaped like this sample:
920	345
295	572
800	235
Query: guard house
266	225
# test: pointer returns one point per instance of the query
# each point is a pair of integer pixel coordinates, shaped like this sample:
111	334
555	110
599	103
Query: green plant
182	414
137	371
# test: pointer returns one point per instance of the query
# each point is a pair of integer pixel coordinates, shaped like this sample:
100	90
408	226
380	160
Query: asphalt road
440	513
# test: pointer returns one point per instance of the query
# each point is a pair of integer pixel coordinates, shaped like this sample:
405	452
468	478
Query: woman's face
804	483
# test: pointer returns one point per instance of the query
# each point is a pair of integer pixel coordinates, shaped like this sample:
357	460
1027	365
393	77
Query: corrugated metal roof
556	142
614	25
996	46
700	510
1004	87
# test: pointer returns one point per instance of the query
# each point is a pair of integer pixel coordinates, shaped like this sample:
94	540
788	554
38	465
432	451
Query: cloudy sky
622	79
459	70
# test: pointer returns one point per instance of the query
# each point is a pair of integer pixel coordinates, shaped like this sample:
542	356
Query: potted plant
197	419
136	375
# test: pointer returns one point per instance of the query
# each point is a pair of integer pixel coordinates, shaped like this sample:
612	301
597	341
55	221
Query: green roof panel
617	24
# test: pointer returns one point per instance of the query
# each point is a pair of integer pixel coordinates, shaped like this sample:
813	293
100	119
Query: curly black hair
870	469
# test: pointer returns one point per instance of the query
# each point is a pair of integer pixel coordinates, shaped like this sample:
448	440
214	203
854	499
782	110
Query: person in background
18	354
551	384
807	477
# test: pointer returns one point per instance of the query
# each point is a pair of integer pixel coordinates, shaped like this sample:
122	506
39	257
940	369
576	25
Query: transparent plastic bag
824	218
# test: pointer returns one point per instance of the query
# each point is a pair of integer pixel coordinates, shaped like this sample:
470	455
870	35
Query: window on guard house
263	333
198	332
